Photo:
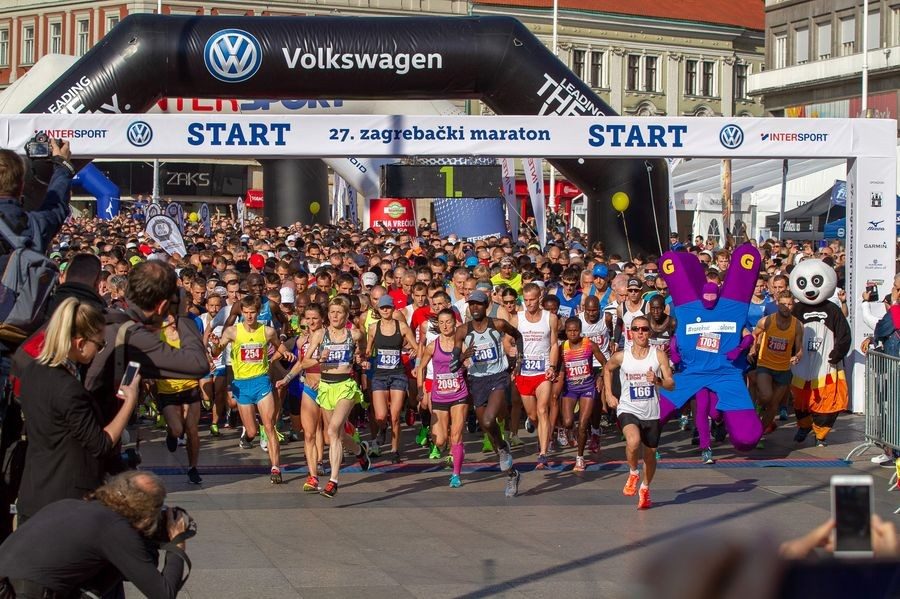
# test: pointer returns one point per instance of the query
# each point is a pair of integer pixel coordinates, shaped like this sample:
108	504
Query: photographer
93	545
152	295
39	226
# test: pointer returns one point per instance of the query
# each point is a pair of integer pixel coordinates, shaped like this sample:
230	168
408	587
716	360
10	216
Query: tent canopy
807	222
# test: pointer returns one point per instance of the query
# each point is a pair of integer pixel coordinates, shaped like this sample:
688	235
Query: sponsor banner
241	213
470	218
204	218
352	211
254	199
534	177
263	136
508	169
175	211
163	230
394	214
153	209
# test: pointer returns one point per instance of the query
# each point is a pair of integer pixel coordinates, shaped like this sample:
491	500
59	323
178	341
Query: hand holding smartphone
131	372
852	505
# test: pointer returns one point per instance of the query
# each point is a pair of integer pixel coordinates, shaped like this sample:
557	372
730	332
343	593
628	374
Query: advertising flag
534	176
164	231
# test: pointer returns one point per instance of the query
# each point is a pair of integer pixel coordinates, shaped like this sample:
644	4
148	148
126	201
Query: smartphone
130	372
872	290
852	503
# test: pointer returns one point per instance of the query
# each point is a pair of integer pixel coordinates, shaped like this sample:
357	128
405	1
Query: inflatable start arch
493	59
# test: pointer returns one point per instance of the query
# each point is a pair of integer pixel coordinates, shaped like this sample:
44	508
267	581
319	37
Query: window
779	56
4	47
740	80
111	21
708	79
650	63
82	39
55	38
578	63
895	26
801	45
28	44
690	77
823	41
848	36
634	69
597	69
874	41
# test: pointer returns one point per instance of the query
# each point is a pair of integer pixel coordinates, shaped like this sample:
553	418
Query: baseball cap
601	270
478	296
507	261
134	260
386	301
130	245
634	283
257	261
471	262
369	279
287	295
290	239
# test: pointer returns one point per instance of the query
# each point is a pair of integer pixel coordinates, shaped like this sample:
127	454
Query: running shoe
293	437
706	456
435	453
553	447
448	462
512	484
275	475
486	445
783	414
374	449
604	421
206	404
263	440
280	435
770	429
471	423
801	434
684	422
644	502
515	441
455	483
246	442
506	459
541	462
330	489
396	458
422	436
529	425
194	477
214	430
718	431
631	484
355	435
381	438
821	443
171	443
882	459
761	444
579	463
562	439
363	456
594	446
160	421
311	485
182	441
410	417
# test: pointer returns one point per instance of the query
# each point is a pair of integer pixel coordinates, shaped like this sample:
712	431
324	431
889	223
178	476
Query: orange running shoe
644	502
631	485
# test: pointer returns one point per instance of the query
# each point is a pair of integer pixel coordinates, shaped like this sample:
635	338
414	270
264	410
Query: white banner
164	231
534	177
508	168
204	218
152	210
175	211
325	136
241	213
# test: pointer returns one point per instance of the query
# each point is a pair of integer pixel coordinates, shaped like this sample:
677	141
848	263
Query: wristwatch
65	164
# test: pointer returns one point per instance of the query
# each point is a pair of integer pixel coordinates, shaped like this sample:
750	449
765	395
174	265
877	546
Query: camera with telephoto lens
162	526
38	147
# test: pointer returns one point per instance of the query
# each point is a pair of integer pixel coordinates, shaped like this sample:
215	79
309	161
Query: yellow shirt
172	386
515	282
249	355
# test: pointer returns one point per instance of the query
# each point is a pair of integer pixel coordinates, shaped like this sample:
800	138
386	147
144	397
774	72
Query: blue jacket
43	224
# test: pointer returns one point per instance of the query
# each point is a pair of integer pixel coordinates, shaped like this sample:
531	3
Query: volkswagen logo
232	55
139	134
731	136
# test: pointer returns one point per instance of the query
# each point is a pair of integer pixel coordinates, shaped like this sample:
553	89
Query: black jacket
67	445
83	293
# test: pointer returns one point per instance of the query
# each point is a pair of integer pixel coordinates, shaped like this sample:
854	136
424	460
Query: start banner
394	214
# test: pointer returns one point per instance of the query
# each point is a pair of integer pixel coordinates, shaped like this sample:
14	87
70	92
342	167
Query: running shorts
249	392
779	377
650	429
481	387
527	385
390	382
445	406
332	393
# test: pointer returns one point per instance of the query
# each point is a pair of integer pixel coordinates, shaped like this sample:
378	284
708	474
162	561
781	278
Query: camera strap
172	547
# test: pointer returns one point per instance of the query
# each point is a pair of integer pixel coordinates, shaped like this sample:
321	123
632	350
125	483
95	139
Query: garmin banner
470	218
163	230
496	59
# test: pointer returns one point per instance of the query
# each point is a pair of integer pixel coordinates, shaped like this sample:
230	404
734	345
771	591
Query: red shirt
399	296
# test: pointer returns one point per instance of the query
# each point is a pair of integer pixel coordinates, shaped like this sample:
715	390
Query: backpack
29	278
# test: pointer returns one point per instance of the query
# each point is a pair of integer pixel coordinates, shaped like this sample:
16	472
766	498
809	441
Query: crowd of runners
340	337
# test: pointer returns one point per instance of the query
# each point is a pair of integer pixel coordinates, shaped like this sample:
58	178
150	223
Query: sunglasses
101	345
640	329
634	291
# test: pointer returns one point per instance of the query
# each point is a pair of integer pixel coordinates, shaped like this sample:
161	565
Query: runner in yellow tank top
252	388
778	345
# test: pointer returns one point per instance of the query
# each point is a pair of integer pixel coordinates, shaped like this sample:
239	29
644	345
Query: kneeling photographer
73	545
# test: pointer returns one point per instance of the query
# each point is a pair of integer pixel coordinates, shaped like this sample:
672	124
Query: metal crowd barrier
882	407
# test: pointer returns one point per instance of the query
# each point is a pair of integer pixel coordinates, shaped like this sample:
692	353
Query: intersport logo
232	55
326	59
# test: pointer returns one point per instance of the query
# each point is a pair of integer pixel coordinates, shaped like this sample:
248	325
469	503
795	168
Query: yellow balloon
314	208
193	217
620	201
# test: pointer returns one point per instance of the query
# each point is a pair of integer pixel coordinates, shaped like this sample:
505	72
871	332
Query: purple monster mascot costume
709	337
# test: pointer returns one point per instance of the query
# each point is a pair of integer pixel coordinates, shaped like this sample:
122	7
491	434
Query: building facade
814	58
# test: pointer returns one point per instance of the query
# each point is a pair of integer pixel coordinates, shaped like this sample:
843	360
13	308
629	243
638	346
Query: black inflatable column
291	187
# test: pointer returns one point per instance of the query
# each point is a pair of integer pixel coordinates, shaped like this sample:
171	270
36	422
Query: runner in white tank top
642	370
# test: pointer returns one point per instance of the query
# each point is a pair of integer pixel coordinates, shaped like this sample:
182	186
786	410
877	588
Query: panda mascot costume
818	385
